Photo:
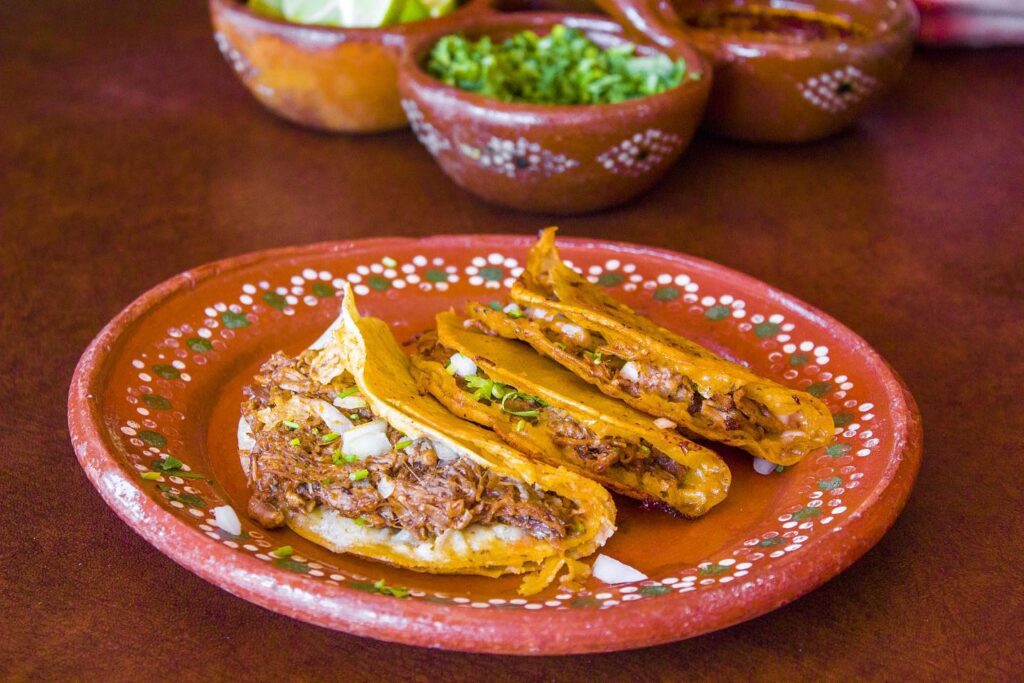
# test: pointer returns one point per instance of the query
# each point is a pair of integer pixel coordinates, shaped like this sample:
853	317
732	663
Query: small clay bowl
333	79
551	158
786	74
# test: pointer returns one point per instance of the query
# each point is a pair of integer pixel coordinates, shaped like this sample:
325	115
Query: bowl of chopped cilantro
328	64
550	112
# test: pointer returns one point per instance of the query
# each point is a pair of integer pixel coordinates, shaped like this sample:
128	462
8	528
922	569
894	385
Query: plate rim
457	628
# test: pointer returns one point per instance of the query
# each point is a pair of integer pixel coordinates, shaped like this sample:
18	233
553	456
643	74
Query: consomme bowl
551	158
786	71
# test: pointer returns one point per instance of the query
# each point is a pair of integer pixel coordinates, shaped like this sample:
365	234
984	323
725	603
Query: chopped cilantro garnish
329	437
289	424
283	551
525	397
327	481
594	356
359	475
349	457
494	305
780	468
152	476
579	527
404	443
337	457
348	392
359	521
295	441
646	449
355	416
520	425
514	314
450	369
487	389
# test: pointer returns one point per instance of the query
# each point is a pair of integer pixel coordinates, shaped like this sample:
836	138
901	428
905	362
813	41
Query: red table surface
128	153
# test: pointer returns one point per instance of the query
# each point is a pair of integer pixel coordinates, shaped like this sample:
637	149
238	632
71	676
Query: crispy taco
338	444
551	415
574	322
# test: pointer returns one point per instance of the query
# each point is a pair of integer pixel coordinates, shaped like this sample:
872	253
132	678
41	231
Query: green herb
355	416
525	397
494	305
283	551
348	392
560	345
359	521
487	389
359	475
295	441
316	432
780	468
594	356
329	437
168	464
404	443
579	527
152	476
189	475
646	449
514	313
289	424
520	425
562	67
337	458
349	457
327	481
385	589
450	369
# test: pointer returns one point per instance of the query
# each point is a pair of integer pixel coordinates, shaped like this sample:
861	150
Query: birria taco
338	444
574	322
553	416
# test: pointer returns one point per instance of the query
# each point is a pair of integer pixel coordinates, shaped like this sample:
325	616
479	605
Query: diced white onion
463	365
350	402
336	422
444	451
537	313
574	331
368	446
512	308
630	372
610	570
791	434
227	519
246	442
762	466
664	423
366	440
385	487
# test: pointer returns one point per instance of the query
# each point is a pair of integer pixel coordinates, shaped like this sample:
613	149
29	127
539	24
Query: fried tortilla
338	444
551	415
604	342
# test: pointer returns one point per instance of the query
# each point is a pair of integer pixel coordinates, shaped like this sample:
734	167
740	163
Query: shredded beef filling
589	450
292	469
728	412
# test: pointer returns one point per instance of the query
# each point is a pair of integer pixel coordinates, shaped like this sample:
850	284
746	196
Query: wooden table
128	152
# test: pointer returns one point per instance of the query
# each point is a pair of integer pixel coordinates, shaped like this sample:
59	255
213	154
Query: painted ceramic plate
165	377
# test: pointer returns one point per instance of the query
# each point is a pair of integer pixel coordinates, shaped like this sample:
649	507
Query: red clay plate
165	376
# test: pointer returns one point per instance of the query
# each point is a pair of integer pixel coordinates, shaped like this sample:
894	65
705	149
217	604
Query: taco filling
320	445
732	411
581	445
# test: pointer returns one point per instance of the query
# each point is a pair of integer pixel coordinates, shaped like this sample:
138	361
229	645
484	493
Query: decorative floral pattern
517	158
429	136
154	443
640	153
836	91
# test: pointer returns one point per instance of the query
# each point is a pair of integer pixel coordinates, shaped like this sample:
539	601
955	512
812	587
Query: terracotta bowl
333	79
786	74
546	158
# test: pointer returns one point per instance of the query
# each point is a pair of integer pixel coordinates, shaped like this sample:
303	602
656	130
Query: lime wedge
369	13
268	8
413	11
439	8
322	12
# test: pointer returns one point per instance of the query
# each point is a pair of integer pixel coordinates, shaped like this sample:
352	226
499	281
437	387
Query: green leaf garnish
404	443
295	441
359	475
283	551
348	392
329	437
525	397
289	424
